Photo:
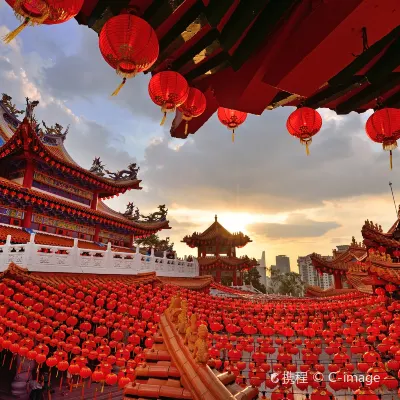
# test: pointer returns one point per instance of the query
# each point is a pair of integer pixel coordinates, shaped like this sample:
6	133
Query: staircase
158	378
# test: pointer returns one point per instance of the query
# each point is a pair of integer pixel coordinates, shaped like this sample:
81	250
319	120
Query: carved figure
30	106
126	174
191	333
160	215
57	130
132	212
97	167
6	100
182	318
175	309
200	352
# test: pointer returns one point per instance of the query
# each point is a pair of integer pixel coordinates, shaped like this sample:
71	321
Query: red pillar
28	177
218	276
96	233
95	199
234	277
27	217
338	281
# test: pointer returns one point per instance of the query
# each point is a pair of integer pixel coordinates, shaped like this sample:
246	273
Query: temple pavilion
43	190
217	253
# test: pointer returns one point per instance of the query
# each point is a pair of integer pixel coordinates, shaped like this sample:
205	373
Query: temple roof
315	291
225	261
374	236
47	201
216	232
260	54
50	149
196	283
341	260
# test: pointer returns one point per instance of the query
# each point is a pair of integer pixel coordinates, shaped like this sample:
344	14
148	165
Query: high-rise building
310	276
283	264
262	269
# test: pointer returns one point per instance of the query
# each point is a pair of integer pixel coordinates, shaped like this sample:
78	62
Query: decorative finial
216	217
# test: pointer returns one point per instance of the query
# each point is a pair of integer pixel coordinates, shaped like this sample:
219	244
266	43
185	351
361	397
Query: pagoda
217	253
43	191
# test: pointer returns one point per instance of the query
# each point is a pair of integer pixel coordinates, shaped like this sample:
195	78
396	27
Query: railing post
108	258
74	258
30	251
152	260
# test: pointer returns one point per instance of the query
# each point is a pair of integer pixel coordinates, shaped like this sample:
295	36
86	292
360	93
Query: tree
156	243
287	284
253	277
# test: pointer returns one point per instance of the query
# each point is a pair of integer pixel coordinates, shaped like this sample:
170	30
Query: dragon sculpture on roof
7	103
97	167
128	174
132	212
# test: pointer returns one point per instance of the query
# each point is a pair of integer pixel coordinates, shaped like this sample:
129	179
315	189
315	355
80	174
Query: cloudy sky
263	184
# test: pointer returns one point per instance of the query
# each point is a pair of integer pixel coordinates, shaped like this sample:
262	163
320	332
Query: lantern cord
391	160
163	119
13	34
394	201
186	128
233	136
121	85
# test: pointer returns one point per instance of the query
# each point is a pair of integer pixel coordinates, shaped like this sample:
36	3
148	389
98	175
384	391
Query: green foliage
289	283
156	243
253	277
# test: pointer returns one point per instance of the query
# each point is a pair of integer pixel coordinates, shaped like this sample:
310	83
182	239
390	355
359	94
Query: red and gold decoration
129	45
232	119
38	12
383	126
169	90
193	107
304	123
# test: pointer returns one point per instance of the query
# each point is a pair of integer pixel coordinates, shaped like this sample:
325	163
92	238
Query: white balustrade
43	258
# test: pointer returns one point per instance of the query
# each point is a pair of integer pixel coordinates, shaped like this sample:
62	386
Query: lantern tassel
307	149
13	34
163	119
186	128
233	136
117	90
391	159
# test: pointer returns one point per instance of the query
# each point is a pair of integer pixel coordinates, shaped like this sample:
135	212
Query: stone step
156	355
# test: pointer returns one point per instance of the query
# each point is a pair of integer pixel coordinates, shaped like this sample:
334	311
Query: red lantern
193	107
129	45
304	123
168	89
231	119
383	126
38	12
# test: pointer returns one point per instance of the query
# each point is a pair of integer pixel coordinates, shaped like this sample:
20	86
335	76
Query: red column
96	233
131	239
234	275
218	276
338	281
27	217
95	199
28	177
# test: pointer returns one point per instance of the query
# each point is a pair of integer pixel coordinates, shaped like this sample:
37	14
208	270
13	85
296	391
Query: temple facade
217	253
43	191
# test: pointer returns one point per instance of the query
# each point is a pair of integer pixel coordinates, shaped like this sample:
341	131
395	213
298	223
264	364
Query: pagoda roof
316	291
374	236
257	55
195	283
225	261
214	232
341	261
50	149
46	201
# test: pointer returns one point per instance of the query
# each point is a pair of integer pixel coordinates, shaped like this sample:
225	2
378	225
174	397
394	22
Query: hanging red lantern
168	89
383	126
193	107
38	12
304	123
232	119
129	45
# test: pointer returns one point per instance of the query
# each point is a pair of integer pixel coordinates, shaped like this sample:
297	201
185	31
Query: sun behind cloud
236	222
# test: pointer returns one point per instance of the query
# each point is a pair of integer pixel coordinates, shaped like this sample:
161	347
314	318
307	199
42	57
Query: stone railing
43	258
